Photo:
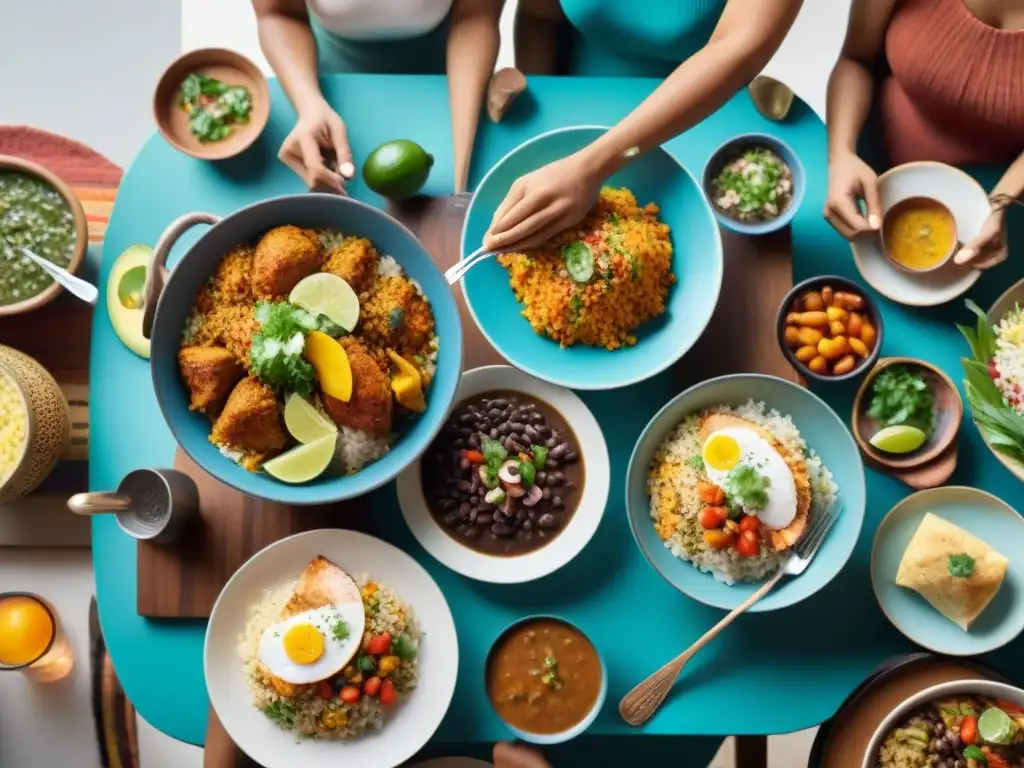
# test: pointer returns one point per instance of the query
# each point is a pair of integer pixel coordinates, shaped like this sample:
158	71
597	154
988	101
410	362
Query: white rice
1009	358
303	712
728	565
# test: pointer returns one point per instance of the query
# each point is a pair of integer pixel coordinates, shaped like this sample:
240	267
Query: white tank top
379	19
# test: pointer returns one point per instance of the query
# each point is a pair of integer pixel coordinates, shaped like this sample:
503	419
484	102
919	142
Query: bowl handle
156	275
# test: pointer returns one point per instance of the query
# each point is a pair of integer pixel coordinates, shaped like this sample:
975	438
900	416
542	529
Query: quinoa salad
756	186
733	489
361	696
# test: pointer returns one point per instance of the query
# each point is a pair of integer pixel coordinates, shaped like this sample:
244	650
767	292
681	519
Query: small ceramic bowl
949	410
580	528
228	67
9	164
582	725
735	147
891	216
870	312
987	688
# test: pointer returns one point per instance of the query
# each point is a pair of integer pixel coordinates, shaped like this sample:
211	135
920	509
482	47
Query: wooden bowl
224	65
47	428
949	410
17	165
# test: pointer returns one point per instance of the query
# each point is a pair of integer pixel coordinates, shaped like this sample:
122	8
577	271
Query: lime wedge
328	295
898	439
303	462
995	726
305	423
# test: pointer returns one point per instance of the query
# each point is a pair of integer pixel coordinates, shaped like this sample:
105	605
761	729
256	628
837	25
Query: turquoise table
770	673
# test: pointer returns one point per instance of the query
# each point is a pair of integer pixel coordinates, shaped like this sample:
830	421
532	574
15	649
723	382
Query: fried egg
313	645
730	447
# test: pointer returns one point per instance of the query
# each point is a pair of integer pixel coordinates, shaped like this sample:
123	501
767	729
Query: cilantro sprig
899	396
960	566
276	351
746	487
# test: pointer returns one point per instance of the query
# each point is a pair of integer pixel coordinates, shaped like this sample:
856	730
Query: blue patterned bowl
655	177
824	433
313	211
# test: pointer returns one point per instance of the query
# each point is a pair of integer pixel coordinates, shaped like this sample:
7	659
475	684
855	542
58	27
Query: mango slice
407	384
329	359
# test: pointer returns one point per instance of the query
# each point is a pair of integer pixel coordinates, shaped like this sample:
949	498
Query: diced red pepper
475	457
350	694
371	686
379	644
387	693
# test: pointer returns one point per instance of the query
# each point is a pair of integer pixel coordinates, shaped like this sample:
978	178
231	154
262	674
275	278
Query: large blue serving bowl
313	211
823	432
655	177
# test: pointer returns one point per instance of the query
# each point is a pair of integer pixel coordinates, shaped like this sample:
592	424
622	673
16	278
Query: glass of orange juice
31	640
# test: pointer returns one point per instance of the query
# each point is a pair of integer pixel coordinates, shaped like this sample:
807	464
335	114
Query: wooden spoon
933	462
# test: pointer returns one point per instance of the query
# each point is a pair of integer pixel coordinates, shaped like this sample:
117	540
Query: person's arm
1012	182
287	41
537	25
990	247
746	37
851	85
473	40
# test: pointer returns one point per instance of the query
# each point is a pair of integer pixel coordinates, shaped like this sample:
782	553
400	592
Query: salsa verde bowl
170	294
656	177
823	432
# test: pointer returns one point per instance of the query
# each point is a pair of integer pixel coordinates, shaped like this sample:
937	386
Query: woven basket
48	430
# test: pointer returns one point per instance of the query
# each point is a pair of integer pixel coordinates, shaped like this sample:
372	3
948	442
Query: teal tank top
637	38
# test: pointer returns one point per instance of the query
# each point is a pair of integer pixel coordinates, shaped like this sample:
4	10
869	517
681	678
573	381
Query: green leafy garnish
755	184
276	350
540	455
575	305
281	711
1001	425
527	473
972	752
696	461
579	261
403	647
613	218
746	487
636	268
396	319
551	677
960	566
365	664
213	107
494	452
901	397
340	630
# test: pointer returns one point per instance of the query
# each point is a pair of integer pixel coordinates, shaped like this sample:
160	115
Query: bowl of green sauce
39	212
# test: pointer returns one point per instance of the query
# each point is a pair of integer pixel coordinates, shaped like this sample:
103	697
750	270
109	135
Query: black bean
516	426
450	518
473	440
942	746
532	514
514	446
541	478
556	502
954	739
555	478
464	464
551	464
551	442
939	728
493	414
543	432
461	527
547	520
473	532
485	518
571	457
531	434
535	418
465	485
474	499
499	402
501	530
521	515
467	418
481	425
546	493
445	504
493	433
558	452
465	431
504	428
451	482
473	515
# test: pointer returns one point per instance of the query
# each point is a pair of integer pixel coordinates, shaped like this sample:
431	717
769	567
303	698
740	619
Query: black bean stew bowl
514	485
839	359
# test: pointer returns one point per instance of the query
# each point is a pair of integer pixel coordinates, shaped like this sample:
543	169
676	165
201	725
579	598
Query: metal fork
639	704
458	270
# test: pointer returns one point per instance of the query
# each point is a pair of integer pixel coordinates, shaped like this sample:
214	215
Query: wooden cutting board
183	580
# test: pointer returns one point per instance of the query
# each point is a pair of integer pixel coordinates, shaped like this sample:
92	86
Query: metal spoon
99	503
771	98
85	291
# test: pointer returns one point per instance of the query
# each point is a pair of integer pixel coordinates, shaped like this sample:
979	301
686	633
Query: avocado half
124	297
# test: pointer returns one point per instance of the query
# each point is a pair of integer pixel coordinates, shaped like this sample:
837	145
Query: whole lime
397	169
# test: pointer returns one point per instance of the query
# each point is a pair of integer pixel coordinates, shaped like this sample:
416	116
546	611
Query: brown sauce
543	676
455	490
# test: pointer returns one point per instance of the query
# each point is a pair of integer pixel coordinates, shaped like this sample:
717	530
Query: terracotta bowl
898	208
224	65
949	410
17	165
47	427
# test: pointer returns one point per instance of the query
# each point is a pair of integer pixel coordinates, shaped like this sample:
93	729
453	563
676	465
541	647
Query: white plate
414	720
582	525
968	202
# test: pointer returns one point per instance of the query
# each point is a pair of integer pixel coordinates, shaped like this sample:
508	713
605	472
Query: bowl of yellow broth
919	234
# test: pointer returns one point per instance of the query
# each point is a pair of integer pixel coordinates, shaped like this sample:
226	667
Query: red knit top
956	92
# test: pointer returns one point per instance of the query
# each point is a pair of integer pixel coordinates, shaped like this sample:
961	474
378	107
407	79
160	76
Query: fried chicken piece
209	373
284	256
355	260
393	314
251	420
370	408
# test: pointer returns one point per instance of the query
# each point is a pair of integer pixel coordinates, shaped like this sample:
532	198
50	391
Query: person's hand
851	179
318	130
543	203
515	756
989	247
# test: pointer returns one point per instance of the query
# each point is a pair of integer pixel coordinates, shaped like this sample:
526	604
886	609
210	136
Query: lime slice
898	439
305	423
995	726
303	462
328	295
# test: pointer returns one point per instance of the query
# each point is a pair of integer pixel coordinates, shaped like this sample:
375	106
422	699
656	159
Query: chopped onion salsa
756	186
213	106
36	216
